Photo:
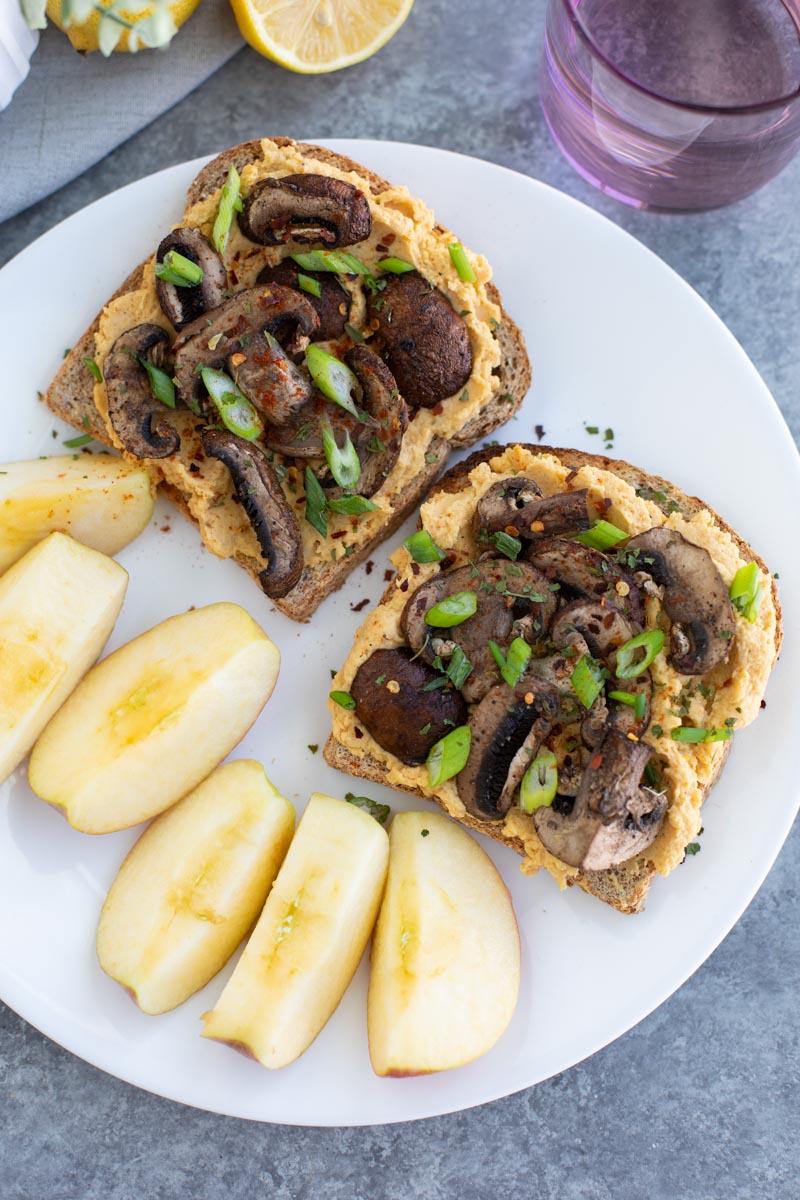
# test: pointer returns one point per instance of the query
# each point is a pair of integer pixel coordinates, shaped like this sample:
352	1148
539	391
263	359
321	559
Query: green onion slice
746	592
333	378
236	412
587	680
160	382
343	699
629	663
692	734
176	268
354	334
637	701
396	266
453	610
507	544
92	366
379	811
353	506
602	536
343	461
423	548
307	284
517	659
461	263
339	262
76	442
497	654
230	201
539	783
315	503
459	668
449	755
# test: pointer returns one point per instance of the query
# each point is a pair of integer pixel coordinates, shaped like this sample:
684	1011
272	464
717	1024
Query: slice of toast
351	750
73	393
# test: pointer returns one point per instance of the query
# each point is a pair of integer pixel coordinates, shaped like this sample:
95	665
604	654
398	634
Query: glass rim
685	105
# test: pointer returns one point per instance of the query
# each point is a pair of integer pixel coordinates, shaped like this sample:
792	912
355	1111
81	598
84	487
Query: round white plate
616	340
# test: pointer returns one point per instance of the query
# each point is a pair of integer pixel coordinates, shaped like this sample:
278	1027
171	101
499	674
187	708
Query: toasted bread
72	394
624	887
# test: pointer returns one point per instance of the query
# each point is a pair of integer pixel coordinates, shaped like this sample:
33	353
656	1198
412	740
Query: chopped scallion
539	783
230	201
76	442
379	811
517	659
315	503
453	610
461	263
343	699
507	544
354	506
396	266
746	592
587	680
629	664
449	755
333	378
94	369
161	383
177	269
307	284
602	536
343	461
236	412
423	548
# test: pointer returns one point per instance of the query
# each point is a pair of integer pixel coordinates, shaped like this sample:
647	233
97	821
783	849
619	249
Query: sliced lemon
313	36
86	37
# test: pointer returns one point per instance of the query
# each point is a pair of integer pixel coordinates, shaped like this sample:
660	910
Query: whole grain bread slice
71	394
625	888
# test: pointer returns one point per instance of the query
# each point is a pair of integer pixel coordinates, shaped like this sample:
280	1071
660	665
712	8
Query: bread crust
71	394
624	888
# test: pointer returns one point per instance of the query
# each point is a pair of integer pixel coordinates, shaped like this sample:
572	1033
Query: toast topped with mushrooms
295	362
561	662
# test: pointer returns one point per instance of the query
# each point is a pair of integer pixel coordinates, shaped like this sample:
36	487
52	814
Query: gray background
700	1100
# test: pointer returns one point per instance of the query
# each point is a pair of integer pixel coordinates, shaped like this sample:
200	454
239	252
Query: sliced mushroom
422	337
247	335
513	600
518	507
269	512
507	727
695	598
612	818
588	572
332	305
181	305
392	703
307	209
136	417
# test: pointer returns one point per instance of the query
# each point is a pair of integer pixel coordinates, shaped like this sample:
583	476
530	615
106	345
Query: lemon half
313	36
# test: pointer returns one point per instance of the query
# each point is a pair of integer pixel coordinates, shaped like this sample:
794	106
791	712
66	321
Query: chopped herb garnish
353	333
692	734
379	811
693	848
313	747
591	428
637	701
315	503
507	544
423	548
459	668
93	367
343	699
424	832
82	440
161	383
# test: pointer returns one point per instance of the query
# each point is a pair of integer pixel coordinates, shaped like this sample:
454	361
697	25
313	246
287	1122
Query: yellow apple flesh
58	605
445	965
154	718
310	937
101	501
193	885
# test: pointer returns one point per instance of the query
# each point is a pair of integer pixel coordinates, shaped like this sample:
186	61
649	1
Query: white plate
616	339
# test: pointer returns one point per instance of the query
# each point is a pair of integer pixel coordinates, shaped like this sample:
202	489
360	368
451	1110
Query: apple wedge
308	941
58	605
445	966
102	501
193	885
154	718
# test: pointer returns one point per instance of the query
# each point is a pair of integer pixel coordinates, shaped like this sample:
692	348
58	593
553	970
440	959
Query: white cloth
73	109
17	44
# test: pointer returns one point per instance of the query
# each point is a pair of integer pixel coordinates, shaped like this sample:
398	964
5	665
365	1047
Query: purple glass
674	105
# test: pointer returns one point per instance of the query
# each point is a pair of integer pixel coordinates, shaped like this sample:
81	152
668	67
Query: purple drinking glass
674	105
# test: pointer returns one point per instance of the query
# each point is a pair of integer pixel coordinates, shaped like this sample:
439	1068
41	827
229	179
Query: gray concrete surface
700	1101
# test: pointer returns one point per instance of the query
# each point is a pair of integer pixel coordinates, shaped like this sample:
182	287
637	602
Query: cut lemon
313	36
86	37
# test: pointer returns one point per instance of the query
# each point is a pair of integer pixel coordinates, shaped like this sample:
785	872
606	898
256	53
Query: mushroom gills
182	305
588	572
518	507
271	517
307	209
137	418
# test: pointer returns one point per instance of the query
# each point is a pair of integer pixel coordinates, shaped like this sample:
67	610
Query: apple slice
58	605
308	941
154	718
445	966
102	501
193	885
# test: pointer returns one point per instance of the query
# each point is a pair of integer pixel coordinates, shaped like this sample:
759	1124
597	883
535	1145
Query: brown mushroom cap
307	209
518	507
422	337
181	305
393	705
234	337
695	598
269	512
136	417
332	306
584	571
507	728
495	582
612	818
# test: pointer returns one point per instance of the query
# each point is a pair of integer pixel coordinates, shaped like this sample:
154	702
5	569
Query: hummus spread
728	695
408	227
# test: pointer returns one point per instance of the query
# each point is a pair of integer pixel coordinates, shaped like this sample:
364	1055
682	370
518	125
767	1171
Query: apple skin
152	720
192	886
58	606
445	962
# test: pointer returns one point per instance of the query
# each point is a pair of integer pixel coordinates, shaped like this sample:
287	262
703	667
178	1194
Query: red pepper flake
339	533
388	238
382	247
193	468
763	704
388	576
437	410
404	586
539	431
358	732
572	474
361	604
368	566
234	278
415	568
596	762
513	531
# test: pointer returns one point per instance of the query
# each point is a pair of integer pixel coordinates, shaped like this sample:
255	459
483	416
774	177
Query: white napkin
73	109
17	44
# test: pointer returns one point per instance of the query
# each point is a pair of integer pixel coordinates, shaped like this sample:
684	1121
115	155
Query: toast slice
638	501
77	398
